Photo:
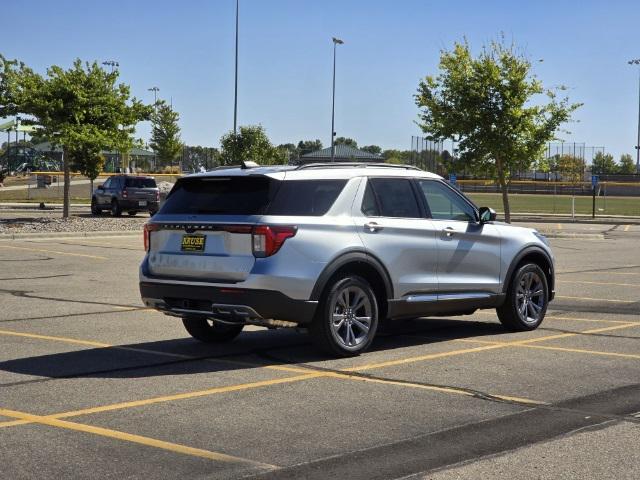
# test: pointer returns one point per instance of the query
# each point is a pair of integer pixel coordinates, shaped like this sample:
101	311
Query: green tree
196	157
488	104
373	149
87	159
165	134
289	151
627	165
571	168
10	71
79	109
308	146
397	156
349	142
603	163
250	143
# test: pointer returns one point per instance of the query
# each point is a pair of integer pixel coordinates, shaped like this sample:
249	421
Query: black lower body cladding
268	304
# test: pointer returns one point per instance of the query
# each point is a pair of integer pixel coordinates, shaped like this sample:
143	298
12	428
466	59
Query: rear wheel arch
361	264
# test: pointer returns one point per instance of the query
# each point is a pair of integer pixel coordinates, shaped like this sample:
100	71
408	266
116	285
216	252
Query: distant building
343	153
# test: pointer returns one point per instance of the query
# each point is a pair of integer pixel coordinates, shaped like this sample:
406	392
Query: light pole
111	63
235	93
636	61
155	91
336	42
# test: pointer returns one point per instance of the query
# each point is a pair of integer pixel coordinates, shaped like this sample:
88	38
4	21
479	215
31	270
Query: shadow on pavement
252	349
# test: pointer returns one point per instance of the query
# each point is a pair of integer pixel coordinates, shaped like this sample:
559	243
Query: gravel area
80	224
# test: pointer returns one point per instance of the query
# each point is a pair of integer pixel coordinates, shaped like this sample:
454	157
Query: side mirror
100	187
487	214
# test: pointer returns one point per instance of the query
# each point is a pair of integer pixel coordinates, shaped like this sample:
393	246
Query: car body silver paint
422	261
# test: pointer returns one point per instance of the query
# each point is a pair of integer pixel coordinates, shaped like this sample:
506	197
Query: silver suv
336	248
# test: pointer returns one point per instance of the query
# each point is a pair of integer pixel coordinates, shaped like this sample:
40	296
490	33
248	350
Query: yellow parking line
626	228
56	339
556	317
128	437
597	299
42	250
169	398
566	335
310	375
559	225
580	350
419	358
602	272
90	343
599	283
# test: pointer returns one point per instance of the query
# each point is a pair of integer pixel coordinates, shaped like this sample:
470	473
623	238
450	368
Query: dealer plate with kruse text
193	243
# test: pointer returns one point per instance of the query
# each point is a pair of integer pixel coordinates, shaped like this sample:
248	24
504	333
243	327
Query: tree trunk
91	188
503	188
65	188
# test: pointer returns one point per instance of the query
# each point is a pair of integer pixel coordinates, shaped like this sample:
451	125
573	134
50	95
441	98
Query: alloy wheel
351	316
530	297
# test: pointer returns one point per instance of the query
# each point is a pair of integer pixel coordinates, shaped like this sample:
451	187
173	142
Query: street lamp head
337	41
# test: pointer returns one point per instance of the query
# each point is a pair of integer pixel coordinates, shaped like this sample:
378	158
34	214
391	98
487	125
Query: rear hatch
141	190
203	230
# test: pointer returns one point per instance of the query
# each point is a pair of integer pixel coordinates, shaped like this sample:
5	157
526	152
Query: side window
369	204
107	184
311	198
445	204
395	197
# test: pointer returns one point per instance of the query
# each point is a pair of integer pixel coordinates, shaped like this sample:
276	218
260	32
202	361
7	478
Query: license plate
193	243
142	203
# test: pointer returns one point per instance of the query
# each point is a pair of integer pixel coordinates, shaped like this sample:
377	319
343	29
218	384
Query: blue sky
186	49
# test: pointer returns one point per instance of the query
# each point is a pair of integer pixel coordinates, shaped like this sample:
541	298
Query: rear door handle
449	231
373	226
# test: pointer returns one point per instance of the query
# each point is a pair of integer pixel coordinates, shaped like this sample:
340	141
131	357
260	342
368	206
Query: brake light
124	193
267	240
148	228
157	196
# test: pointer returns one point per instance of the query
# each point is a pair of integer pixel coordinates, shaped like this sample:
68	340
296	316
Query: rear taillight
148	228
124	193
267	240
157	196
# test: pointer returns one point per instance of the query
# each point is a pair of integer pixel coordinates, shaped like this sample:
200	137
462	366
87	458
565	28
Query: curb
539	218
106	233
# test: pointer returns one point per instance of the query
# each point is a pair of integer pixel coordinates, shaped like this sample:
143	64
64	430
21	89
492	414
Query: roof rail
356	164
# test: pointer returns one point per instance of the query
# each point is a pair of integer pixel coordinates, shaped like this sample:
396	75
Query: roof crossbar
356	164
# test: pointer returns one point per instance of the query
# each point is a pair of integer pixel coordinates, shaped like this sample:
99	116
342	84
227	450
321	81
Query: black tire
210	331
132	213
95	210
338	330
116	211
527	299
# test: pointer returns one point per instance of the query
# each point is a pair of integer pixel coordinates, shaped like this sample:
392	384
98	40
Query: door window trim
413	186
423	200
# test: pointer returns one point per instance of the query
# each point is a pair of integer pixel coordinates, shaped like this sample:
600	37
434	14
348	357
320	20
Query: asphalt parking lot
93	385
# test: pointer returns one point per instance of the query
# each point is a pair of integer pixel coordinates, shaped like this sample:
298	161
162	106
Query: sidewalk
32	185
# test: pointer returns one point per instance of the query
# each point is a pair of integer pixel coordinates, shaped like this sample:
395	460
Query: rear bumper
151	205
232	303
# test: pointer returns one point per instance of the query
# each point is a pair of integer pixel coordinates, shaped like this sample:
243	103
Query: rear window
140	182
252	195
309	198
220	196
